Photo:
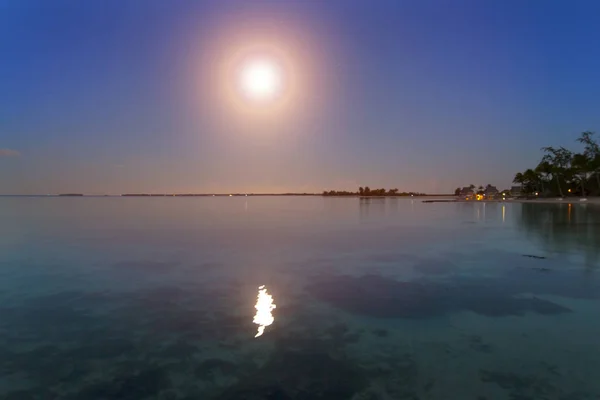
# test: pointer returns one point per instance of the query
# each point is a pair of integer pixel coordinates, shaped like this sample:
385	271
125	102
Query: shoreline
226	195
564	200
424	198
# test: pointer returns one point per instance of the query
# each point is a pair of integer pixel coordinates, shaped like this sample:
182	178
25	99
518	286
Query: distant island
212	194
368	192
71	194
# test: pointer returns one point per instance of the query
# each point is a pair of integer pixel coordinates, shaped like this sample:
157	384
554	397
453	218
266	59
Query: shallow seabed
154	298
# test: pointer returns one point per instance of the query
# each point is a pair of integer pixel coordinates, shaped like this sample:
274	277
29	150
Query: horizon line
238	194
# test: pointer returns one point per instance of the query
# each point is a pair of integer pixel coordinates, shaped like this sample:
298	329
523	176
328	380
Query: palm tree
559	159
519	179
580	167
361	191
543	169
531	180
592	152
595	167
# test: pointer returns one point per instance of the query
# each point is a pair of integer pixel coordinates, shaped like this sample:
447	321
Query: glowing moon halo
261	79
258	80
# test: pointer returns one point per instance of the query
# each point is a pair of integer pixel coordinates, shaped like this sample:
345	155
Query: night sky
112	96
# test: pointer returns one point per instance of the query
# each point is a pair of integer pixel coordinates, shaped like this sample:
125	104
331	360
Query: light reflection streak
264	306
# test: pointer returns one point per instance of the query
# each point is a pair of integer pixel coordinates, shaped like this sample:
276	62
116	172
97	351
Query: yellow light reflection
264	307
503	213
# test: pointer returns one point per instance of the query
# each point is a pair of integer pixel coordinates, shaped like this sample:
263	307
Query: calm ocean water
156	298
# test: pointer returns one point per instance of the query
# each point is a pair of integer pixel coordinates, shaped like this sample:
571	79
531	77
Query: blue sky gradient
113	96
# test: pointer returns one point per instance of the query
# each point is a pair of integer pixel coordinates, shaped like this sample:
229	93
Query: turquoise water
154	298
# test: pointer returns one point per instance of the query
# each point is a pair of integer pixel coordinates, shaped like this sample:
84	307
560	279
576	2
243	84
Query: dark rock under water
436	267
299	375
377	296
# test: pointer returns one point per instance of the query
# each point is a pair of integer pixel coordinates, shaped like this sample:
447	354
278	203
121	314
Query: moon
255	79
261	79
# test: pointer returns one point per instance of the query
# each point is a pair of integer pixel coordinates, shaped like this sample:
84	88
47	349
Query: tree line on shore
562	171
366	191
481	190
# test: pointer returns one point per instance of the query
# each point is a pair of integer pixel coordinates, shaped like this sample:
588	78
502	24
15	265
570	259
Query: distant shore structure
368	192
